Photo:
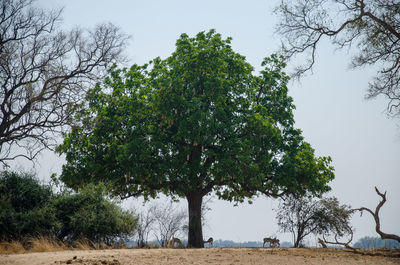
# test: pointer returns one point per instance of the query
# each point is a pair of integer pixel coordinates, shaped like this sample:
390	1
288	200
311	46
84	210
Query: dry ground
223	256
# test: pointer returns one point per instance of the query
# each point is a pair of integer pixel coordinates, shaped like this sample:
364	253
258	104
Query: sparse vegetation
169	222
163	220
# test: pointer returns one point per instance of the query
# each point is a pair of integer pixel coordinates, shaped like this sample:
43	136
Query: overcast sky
330	107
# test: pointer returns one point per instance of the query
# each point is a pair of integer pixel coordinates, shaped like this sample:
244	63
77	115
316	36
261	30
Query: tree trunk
297	242
299	237
195	237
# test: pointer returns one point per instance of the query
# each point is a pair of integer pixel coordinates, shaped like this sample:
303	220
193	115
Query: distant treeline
220	244
376	242
250	244
365	242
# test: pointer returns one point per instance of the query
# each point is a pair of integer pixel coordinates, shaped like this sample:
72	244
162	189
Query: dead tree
376	217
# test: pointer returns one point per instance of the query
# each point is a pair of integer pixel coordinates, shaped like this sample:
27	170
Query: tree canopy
371	26
196	122
303	216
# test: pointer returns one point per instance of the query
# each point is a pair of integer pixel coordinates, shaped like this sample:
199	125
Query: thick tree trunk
195	237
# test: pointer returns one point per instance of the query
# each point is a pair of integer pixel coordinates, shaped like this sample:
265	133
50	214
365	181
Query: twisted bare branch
375	215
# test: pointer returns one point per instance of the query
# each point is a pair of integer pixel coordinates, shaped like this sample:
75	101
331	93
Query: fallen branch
345	244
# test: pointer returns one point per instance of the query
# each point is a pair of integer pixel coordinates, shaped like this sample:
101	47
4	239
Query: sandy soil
223	256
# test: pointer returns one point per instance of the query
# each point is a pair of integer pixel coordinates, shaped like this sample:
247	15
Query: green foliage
29	208
24	207
88	214
196	122
303	216
333	218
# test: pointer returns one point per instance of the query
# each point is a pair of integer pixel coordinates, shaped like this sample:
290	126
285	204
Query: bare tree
144	227
376	217
295	215
44	73
373	26
168	222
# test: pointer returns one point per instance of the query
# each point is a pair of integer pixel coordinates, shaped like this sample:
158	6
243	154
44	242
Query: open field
198	256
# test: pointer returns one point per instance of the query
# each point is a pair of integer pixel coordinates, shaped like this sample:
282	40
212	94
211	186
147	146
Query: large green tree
195	123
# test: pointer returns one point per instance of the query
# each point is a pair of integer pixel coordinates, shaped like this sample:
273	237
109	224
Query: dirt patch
224	256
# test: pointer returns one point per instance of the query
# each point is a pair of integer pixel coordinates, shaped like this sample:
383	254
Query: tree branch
376	217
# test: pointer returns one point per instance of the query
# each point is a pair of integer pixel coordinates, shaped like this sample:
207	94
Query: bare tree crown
372	26
44	73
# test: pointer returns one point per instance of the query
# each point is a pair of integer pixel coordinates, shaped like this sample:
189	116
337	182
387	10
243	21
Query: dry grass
84	244
13	247
36	244
43	244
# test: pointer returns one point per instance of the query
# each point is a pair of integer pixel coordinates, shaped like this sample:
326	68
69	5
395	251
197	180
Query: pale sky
330	107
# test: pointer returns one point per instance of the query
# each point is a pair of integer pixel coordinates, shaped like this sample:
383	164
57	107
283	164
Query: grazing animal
210	241
171	243
273	242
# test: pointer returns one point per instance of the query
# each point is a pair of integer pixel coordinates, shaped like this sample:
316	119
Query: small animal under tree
273	242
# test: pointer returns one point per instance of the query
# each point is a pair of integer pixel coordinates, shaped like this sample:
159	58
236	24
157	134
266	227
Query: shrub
30	209
24	207
89	214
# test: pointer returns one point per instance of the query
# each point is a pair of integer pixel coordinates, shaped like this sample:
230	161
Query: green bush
24	207
88	214
28	208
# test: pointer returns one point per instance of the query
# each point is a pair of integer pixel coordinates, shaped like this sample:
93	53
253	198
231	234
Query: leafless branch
371	26
44	74
376	217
